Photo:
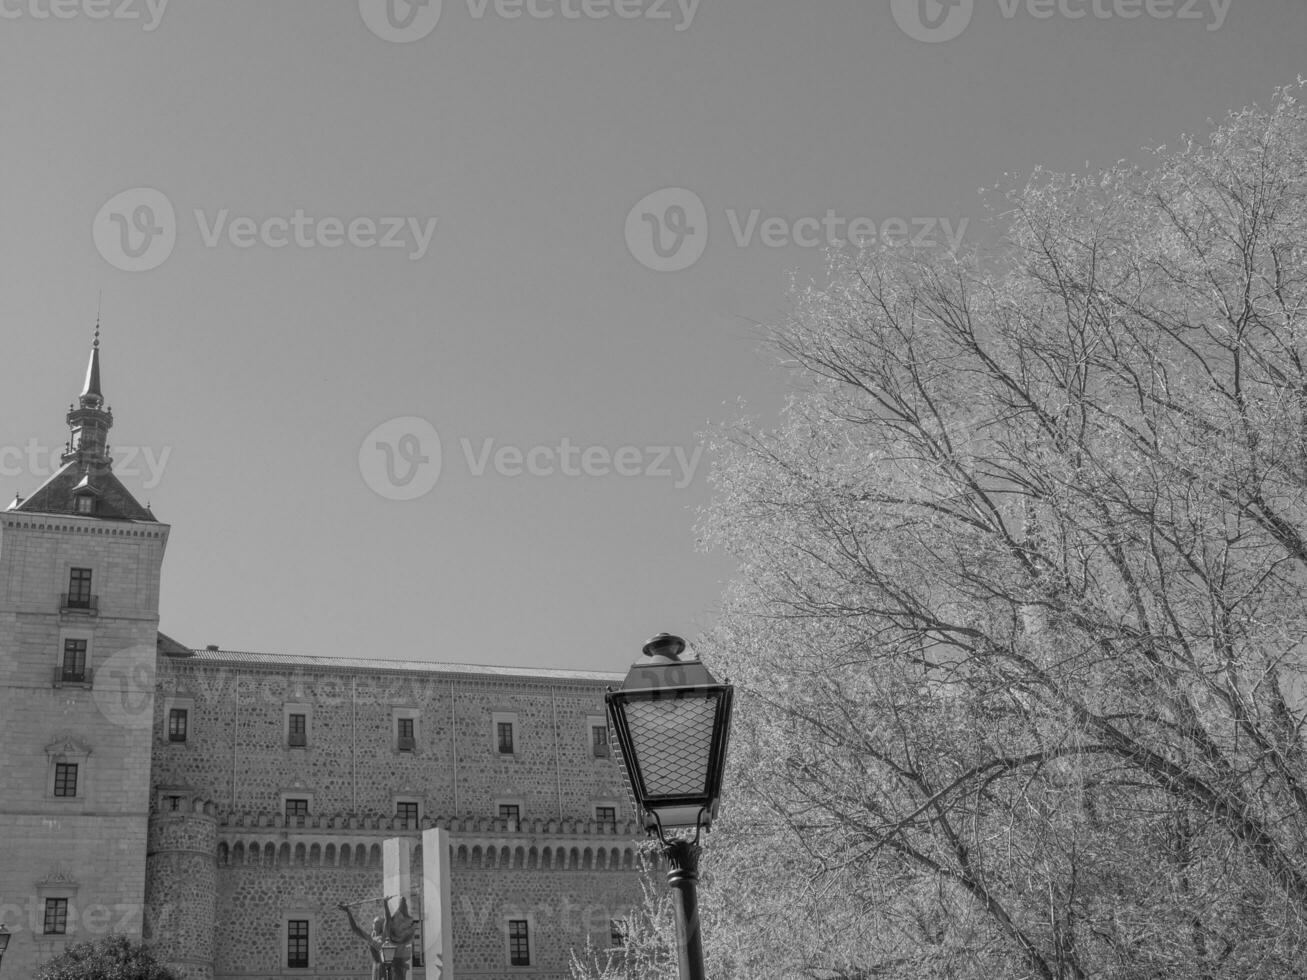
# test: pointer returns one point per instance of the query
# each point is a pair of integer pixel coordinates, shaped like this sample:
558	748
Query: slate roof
237	657
171	648
114	501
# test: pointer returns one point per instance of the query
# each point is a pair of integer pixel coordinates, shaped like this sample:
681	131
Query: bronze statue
396	930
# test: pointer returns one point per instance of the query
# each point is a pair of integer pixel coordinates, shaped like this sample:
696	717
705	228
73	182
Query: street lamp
388	950
672	721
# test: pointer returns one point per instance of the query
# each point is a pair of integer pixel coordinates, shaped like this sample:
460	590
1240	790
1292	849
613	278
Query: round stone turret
181	885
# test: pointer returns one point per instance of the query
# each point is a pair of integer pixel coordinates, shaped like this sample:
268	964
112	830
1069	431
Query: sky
413	317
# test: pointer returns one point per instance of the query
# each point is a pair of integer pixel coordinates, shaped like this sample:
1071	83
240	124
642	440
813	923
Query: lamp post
388	950
4	940
672	720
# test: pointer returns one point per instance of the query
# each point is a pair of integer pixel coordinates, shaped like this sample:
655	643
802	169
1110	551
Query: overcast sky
329	234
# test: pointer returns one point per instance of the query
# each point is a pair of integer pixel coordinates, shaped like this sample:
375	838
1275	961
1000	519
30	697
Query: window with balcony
512	812
73	668
409	812
606	814
78	598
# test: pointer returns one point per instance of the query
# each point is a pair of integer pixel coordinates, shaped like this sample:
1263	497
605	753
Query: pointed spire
90	421
92	387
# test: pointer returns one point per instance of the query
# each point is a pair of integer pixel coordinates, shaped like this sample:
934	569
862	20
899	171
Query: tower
181	886
80	562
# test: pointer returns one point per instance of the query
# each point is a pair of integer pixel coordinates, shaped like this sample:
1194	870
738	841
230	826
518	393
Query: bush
110	958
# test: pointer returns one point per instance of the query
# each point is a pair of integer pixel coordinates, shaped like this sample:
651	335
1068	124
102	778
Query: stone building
220	804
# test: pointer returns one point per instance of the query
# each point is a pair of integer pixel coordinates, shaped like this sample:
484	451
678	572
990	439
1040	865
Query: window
408	812
406	739
503	733
85	503
298	729
79	588
606	814
74	665
616	934
177	718
599	741
297	942
296	811
519	943
56	917
174	802
510	811
65	779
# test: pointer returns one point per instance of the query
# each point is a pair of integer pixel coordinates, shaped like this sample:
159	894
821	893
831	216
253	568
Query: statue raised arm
373	941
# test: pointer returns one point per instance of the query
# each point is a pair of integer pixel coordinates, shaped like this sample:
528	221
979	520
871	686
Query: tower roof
113	500
87	469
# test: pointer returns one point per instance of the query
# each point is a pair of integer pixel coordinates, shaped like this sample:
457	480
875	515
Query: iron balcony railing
73	676
74	603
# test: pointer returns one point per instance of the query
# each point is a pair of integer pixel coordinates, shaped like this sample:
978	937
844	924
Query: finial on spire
91	390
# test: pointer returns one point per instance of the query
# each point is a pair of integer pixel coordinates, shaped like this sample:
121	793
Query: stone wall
557	867
88	849
568	885
237	754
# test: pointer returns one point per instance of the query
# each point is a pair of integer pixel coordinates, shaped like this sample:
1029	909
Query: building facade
222	804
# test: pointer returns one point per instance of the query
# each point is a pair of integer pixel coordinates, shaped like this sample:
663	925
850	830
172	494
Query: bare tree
1019	625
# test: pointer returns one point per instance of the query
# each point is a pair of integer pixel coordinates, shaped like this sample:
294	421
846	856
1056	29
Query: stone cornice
74	525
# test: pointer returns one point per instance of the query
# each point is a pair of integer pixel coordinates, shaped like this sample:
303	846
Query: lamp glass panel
672	738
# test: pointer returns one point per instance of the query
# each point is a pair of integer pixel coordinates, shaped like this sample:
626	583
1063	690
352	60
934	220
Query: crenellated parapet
355	841
390	826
